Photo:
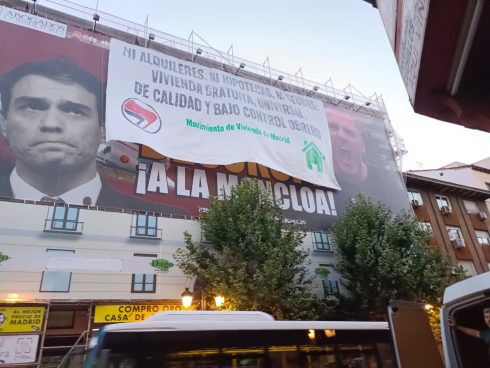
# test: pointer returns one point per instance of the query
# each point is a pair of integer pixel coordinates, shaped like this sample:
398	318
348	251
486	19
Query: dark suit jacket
111	198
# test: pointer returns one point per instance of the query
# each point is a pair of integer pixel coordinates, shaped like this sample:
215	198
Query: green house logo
314	157
3	257
322	272
161	264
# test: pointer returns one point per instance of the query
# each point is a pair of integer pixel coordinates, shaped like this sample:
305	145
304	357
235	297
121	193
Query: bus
465	311
464	304
240	340
200	339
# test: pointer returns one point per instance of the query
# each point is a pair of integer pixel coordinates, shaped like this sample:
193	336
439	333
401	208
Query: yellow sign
21	319
130	312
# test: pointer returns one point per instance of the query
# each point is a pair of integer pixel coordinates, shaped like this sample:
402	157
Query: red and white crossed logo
142	115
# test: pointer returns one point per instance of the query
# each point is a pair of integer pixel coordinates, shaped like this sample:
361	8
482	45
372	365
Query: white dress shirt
85	194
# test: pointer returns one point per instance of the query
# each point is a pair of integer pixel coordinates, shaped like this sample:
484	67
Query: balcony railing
52	225
142	232
322	247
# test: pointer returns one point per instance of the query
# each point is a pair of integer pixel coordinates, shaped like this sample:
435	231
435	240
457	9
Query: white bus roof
473	285
205	321
210	316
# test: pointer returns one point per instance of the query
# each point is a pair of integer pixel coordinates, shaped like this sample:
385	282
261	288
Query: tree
251	254
382	256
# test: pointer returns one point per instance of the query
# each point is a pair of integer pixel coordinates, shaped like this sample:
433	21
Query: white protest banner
203	115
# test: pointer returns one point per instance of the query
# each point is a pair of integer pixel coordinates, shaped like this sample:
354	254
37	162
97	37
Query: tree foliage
251	255
384	256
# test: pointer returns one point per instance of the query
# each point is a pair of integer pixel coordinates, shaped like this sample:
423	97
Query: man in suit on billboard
347	148
54	114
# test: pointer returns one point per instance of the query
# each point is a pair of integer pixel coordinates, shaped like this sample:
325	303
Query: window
143	283
455	235
468	266
330	287
61	319
64	219
56	281
471	206
442	201
488	185
483	237
415	197
330	279
322	241
146	226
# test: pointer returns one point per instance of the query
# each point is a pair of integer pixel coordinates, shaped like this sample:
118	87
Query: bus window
465	323
471	334
276	344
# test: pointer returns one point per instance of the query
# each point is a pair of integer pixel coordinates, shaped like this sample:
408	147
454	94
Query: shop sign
21	319
130	312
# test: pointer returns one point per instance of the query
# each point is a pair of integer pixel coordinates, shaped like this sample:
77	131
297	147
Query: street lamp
12	298
186	298
219	300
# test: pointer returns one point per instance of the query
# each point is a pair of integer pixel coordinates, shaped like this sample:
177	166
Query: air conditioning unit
482	216
445	210
455	270
457	243
415	203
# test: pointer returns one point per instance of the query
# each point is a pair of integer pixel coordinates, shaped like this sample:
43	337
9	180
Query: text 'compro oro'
142	115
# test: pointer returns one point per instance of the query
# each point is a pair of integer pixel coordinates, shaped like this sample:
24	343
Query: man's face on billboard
347	147
52	124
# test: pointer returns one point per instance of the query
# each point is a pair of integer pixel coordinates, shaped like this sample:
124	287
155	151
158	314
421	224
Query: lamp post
186	298
219	300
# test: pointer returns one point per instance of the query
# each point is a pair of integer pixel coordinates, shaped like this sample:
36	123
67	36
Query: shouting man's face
347	147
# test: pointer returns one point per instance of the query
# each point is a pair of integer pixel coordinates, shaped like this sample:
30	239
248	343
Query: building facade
476	175
457	216
80	268
69	266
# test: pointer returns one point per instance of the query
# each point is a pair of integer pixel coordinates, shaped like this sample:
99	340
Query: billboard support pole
300	72
96	18
33	10
267	62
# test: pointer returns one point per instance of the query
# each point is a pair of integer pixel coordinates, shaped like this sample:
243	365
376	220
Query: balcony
142	232
145	226
64	219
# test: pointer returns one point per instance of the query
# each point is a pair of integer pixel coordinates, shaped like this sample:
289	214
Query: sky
341	40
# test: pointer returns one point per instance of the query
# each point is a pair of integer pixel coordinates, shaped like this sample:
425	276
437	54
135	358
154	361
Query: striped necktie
52	199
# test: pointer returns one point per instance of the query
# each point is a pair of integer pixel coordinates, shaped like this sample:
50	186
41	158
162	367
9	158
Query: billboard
54	146
21	319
